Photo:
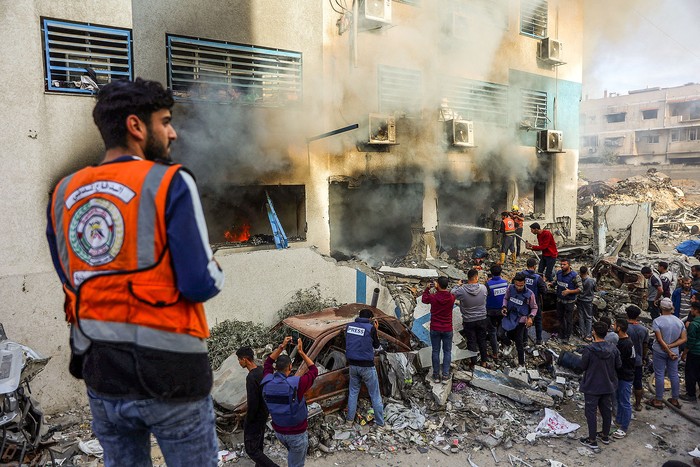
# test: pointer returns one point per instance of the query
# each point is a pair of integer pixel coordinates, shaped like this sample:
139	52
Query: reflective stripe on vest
497	289
280	393
112	242
358	340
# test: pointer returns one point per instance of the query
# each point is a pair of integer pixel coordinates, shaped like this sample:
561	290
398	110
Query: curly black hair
119	99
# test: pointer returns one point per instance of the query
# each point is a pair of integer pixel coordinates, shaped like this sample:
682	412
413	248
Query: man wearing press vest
361	342
568	287
284	397
536	283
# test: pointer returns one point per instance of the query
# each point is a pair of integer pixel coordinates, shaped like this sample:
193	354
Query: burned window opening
478	101
476	204
372	220
237	215
616	117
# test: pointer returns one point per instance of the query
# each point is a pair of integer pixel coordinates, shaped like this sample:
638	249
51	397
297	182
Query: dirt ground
640	448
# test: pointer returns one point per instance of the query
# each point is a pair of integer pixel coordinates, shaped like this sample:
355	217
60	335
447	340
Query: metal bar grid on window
70	49
533	18
400	90
477	100
534	108
409	2
204	69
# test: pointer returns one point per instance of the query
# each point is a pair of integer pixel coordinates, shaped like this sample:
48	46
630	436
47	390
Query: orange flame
238	234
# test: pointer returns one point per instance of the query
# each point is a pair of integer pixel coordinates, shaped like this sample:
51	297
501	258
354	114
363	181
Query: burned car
323	337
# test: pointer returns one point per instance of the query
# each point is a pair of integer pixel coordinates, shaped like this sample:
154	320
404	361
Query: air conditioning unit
378	10
460	133
550	50
549	141
382	129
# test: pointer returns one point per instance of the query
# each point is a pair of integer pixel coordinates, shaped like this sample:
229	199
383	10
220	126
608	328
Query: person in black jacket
256	416
600	362
625	376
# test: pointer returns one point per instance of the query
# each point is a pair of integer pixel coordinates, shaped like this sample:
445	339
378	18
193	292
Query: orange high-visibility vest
508	226
112	245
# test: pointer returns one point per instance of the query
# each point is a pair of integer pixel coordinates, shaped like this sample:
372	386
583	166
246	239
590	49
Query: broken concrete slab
229	383
425	355
447	269
410	272
441	391
511	388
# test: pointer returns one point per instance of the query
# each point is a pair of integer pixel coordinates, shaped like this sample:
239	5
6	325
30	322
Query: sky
635	44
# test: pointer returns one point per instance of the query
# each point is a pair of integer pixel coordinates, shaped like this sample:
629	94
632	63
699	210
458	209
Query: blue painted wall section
568	94
360	287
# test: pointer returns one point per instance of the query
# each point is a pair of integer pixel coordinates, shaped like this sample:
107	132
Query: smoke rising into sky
634	44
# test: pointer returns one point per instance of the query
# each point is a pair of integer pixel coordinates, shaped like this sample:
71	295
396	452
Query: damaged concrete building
366	123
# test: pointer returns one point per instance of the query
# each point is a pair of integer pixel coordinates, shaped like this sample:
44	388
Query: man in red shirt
441	304
289	414
547	246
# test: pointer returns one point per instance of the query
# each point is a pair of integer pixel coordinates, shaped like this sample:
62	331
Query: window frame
385	73
478	101
616	120
644	114
534	8
533	95
49	78
229	72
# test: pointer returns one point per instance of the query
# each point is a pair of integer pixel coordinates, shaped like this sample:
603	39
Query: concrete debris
511	388
410	272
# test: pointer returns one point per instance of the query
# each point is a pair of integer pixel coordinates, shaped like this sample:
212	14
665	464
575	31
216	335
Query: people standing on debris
654	291
128	238
496	287
361	343
584	303
691	355
625	378
507	230
548	247
568	286
682	297
668	278
519	220
441	303
472	298
536	283
256	413
600	361
670	334
519	311
284	396
640	337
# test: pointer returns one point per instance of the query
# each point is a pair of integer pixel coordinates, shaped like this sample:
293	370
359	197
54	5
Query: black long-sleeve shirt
257	410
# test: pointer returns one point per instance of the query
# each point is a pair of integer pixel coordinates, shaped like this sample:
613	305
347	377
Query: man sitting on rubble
654	291
441	304
256	414
548	247
519	310
361	343
670	335
472	305
284	396
536	283
568	286
682	297
599	362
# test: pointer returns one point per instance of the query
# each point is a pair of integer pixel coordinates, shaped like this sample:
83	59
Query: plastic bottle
10	366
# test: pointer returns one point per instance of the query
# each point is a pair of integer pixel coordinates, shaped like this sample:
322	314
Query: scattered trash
91	447
554	424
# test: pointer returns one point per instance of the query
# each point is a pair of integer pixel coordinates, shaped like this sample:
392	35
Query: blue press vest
497	289
518	306
531	281
566	282
358	340
280	395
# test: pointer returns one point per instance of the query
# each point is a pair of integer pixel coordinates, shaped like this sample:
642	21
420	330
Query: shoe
382	428
603	439
445	378
619	434
437	379
538	342
348	423
687	398
655	403
588	443
675	403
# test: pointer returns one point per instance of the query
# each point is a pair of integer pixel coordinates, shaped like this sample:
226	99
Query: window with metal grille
533	18
409	2
79	57
200	69
400	90
534	109
476	100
